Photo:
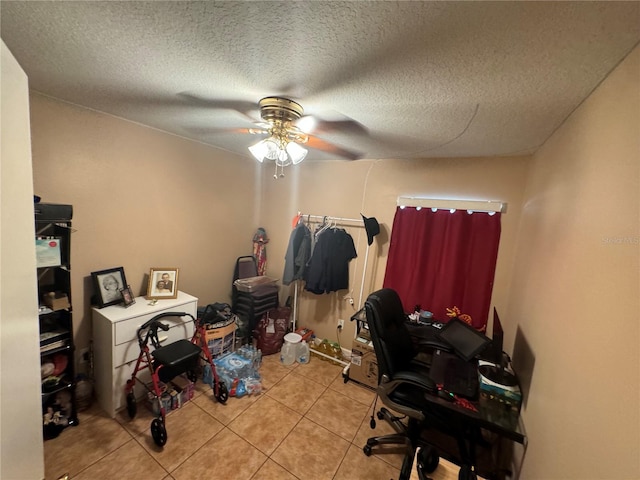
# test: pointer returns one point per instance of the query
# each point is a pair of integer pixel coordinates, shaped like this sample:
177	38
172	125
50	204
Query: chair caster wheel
428	459
158	432
380	415
367	450
466	473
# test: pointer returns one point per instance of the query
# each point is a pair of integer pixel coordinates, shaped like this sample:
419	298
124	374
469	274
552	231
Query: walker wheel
223	393
132	407
367	450
158	432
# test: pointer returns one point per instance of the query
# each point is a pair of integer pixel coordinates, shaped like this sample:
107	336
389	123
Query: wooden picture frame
107	285
163	283
127	296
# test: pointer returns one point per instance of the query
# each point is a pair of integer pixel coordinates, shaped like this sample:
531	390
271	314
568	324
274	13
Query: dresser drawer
125	331
129	351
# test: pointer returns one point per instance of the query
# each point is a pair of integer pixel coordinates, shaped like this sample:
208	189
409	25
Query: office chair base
391	419
397	439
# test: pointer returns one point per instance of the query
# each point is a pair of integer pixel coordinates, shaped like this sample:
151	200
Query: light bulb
259	151
296	152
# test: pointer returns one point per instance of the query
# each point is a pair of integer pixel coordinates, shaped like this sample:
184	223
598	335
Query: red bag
271	330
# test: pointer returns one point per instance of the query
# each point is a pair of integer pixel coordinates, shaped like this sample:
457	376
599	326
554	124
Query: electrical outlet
351	302
340	324
84	355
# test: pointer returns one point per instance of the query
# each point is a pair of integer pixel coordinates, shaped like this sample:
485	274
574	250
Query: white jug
303	352
289	350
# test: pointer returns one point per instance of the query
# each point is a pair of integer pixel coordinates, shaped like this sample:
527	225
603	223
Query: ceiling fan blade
318	144
246	108
312	123
214	131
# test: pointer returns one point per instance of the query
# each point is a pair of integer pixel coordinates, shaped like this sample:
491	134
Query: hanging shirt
328	269
297	254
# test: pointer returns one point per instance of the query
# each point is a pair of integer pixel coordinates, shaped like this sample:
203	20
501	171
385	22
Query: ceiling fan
289	133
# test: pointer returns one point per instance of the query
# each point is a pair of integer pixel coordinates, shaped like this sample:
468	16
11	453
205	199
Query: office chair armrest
414	378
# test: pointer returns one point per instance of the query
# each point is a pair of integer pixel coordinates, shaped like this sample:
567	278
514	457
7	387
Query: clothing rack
348	222
357	222
351	222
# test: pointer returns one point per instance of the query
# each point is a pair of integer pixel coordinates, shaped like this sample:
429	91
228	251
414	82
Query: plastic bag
271	330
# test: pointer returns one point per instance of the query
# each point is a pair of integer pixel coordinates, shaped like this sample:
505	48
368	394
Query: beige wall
346	189
21	448
142	199
576	289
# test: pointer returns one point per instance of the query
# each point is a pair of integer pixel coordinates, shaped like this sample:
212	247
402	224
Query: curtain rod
471	205
359	221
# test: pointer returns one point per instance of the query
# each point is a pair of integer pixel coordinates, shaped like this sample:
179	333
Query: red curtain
440	259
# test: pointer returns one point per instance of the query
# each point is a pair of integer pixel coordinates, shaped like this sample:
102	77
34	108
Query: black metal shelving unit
53	250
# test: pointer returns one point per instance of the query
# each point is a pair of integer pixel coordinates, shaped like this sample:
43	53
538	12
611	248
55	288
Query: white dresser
115	344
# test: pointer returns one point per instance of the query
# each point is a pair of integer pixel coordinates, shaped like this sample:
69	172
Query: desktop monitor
465	340
496	373
493	353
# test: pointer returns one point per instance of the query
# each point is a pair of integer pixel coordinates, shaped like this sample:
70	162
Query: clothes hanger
324	226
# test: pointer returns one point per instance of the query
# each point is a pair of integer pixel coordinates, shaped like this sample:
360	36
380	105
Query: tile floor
307	425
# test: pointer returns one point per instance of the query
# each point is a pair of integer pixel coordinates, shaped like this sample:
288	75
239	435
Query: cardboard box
221	340
364	364
56	300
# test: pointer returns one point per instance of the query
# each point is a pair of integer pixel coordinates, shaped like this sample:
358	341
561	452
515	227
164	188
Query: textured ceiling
423	79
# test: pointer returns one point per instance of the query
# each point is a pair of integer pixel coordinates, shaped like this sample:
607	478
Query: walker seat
176	358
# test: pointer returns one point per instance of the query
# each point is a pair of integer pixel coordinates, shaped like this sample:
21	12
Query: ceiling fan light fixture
296	152
259	150
266	149
282	160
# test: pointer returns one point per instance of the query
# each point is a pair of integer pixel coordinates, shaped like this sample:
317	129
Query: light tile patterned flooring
307	424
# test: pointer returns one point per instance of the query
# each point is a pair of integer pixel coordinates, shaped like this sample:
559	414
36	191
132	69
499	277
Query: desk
494	418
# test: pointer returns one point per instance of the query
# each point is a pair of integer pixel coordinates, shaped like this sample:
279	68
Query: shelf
63	384
53	273
56	349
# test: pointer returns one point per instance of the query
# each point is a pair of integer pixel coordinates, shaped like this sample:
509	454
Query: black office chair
403	384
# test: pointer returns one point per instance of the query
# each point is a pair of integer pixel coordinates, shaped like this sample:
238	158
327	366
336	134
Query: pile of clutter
175	393
239	371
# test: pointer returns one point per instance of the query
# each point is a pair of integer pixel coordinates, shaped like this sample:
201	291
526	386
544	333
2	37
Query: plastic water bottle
303	352
288	353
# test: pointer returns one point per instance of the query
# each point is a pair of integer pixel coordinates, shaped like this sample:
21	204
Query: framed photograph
107	285
127	296
163	283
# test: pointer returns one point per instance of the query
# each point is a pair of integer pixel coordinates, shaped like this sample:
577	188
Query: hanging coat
297	255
